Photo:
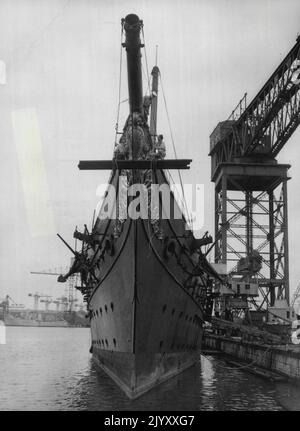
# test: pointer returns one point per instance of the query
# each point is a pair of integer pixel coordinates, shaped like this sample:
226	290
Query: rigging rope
174	149
151	235
145	76
147	69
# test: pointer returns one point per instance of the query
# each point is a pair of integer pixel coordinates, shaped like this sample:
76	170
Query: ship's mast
132	26
135	130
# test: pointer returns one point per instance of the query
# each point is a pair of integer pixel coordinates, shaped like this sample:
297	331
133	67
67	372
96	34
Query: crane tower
251	218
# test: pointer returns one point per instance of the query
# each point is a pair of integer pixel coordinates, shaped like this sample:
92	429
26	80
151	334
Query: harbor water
52	369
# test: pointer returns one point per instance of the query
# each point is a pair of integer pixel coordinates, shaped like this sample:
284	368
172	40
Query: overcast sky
59	105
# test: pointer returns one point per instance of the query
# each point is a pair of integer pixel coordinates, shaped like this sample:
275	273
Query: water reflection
210	385
51	369
288	395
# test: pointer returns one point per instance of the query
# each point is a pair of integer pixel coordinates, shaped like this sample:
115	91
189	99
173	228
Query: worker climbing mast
251	224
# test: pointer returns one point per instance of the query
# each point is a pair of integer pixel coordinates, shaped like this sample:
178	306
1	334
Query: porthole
106	342
161	344
164	308
112	306
173	311
105	308
100	311
114	341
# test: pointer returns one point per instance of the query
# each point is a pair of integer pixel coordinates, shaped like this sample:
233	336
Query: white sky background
62	70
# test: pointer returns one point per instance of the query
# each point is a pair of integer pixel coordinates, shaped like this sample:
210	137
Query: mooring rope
237	367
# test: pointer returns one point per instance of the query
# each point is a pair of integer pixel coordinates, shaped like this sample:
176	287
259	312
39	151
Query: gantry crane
47	302
57	303
64	302
36	296
67	301
6	303
251	221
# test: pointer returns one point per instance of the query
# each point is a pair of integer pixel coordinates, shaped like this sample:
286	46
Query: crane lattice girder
295	295
265	125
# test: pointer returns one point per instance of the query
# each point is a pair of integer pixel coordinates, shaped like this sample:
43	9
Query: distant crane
64	302
15	305
68	301
72	304
57	304
36	296
47	302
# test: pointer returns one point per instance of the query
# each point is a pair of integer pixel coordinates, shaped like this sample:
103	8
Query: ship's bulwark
145	325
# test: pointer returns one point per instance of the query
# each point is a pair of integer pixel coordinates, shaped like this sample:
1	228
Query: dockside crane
47	302
8	302
36	296
68	301
58	302
64	302
251	219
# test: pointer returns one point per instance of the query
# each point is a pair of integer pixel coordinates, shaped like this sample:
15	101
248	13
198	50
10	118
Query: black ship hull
146	323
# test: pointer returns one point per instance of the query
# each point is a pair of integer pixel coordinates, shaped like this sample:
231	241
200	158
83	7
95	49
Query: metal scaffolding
251	213
248	220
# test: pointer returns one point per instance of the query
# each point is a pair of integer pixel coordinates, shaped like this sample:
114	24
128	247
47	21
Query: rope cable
174	149
147	69
151	236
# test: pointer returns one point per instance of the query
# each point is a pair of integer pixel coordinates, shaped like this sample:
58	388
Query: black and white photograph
150	240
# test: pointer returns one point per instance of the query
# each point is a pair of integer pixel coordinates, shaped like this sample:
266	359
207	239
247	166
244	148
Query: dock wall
282	359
